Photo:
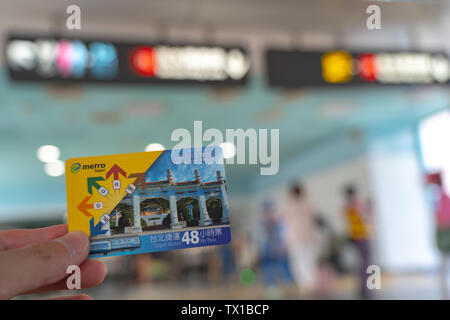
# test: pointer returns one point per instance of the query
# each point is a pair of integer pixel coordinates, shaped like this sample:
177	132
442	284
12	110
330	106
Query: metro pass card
149	201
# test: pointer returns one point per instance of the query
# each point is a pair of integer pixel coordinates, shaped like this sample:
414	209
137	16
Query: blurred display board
75	60
341	68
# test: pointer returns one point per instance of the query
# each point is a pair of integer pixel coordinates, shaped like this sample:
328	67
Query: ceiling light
48	153
55	168
155	147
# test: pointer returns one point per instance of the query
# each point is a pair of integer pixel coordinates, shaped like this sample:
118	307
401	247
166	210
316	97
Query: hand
36	260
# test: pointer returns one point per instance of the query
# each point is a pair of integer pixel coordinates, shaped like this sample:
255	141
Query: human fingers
34	266
11	239
92	273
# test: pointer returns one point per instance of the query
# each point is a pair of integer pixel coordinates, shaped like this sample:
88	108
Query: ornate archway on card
174	191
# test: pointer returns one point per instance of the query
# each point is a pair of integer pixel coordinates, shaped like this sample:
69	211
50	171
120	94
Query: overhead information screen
340	68
75	60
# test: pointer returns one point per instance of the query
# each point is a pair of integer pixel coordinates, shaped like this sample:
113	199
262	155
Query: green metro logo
75	168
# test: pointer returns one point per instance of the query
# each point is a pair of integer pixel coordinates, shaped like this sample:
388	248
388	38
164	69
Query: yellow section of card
95	185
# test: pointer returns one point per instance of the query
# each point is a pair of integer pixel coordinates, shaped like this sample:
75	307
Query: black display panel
290	69
56	59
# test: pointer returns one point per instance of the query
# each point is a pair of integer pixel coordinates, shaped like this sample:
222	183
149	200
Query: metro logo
75	168
93	166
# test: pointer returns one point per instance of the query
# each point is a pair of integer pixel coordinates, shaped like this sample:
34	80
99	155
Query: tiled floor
393	286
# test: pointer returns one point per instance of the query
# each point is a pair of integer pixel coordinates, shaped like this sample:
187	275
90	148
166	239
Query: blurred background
364	169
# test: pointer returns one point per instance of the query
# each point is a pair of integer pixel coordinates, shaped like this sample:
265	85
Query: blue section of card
134	244
182	203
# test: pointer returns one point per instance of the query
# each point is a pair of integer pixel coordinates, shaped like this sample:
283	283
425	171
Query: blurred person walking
442	211
273	253
329	262
358	221
302	240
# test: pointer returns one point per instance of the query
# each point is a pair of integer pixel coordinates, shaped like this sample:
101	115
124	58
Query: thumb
37	265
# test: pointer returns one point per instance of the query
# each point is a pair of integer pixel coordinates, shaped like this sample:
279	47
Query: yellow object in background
358	228
337	66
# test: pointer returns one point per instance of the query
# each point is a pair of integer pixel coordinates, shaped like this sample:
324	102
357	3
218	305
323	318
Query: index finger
12	239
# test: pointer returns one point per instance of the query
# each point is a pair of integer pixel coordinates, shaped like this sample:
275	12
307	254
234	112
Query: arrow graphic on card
92	182
84	206
140	179
116	170
96	229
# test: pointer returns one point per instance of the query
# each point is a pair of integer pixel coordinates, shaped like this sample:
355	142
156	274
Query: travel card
149	201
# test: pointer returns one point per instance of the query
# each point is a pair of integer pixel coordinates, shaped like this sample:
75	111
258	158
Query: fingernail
76	242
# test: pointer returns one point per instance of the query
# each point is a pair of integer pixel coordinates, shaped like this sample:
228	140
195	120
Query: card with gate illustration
149	201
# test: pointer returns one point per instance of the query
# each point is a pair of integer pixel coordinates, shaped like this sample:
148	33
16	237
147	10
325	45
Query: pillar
191	213
205	220
117	219
137	214
175	224
169	175
197	175
225	203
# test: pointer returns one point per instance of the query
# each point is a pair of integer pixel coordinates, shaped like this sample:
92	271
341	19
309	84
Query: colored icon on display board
337	67
104	64
143	61
367	67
